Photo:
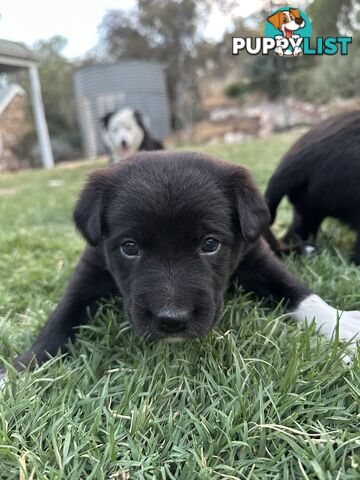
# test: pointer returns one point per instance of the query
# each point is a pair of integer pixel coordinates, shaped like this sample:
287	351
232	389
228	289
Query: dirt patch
207	131
8	191
79	163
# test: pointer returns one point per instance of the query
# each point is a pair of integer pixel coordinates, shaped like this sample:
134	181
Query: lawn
256	399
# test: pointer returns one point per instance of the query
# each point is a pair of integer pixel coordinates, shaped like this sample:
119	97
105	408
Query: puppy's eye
210	245
285	20
130	248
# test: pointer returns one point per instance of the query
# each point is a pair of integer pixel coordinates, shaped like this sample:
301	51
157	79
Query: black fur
168	203
106	119
321	177
149	143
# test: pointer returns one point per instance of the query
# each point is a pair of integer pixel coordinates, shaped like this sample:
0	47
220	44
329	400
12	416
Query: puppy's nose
173	320
299	21
123	144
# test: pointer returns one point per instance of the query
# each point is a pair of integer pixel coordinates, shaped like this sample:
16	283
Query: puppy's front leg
262	272
89	283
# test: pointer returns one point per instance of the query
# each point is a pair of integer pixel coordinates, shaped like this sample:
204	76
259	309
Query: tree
340	74
328	16
166	31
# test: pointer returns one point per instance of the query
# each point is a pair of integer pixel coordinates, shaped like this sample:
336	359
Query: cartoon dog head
287	21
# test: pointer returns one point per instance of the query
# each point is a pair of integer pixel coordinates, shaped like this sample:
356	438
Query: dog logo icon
293	25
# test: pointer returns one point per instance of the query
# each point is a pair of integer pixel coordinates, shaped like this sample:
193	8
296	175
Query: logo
288	33
289	28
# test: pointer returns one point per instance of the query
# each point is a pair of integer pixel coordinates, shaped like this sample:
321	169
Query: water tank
104	88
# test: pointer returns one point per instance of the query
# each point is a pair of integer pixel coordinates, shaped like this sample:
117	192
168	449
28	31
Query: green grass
256	399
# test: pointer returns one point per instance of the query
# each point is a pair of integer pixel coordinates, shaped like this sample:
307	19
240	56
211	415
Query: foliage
215	57
257	398
236	90
56	74
24	149
165	31
330	16
337	76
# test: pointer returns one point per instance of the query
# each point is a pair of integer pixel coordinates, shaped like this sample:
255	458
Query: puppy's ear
253	213
139	119
295	12
89	210
106	119
275	20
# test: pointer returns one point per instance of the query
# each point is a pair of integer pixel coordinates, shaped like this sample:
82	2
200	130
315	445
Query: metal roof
14	55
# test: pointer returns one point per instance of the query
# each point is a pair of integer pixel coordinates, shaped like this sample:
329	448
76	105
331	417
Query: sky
77	20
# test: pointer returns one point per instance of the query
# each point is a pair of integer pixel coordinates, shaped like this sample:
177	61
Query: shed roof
14	55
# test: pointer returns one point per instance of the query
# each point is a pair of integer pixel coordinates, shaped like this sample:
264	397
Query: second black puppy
168	232
321	177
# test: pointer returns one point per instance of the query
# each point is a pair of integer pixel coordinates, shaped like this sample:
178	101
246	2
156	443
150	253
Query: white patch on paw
326	318
2	380
347	359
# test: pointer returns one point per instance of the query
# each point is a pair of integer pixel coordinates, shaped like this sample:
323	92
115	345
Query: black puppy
124	132
168	232
321	177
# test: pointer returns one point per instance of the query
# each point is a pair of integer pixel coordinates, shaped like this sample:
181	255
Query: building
15	56
14	124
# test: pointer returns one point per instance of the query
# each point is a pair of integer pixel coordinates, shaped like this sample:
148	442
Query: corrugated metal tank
104	88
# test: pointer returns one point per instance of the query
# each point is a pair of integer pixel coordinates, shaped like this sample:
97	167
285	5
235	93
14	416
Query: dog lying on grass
168	232
320	175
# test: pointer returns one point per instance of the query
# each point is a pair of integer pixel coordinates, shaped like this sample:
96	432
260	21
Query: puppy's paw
310	248
327	318
356	258
349	325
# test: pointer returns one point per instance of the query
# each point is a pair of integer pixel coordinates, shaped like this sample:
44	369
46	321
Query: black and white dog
320	175
124	132
168	232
